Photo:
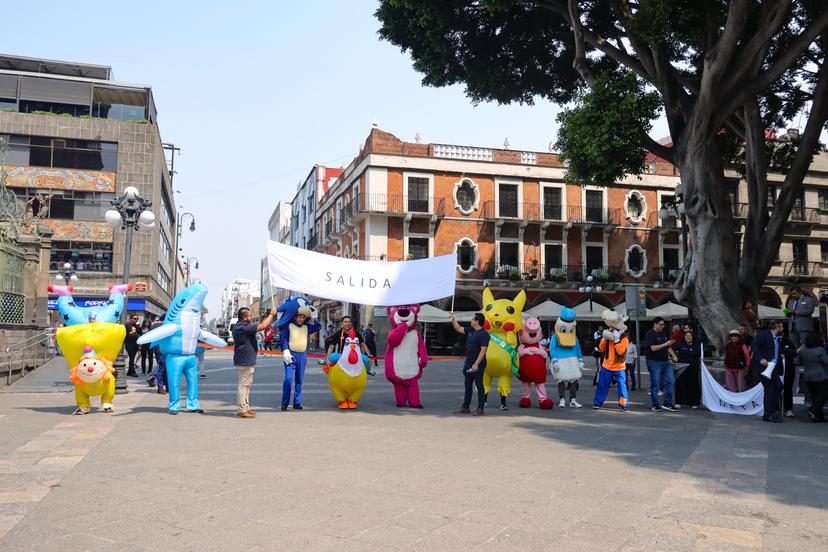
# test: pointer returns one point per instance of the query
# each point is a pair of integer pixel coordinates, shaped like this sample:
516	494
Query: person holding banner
245	354
477	343
765	364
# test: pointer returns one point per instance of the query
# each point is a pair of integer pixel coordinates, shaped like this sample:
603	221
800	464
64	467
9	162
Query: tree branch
769	76
660	150
579	63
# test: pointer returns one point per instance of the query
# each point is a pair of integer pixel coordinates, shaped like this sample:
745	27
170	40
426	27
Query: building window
800	251
418	194
466	196
33	106
8	104
165	249
636	261
163	279
418	248
594	206
466	255
635	207
166	215
119	105
771	196
508	254
69	204
671	258
64	153
86	256
823	200
552	203
823	246
508	200
594	259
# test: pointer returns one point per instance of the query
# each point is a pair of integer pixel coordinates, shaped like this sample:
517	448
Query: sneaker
561	403
596	407
656	408
371	373
624	408
203	376
478	412
669	407
574	404
246	414
504	406
284	407
789	414
297	407
196	411
79	412
151	381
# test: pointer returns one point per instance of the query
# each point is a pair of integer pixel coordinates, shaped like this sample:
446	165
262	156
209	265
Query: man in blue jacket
767	368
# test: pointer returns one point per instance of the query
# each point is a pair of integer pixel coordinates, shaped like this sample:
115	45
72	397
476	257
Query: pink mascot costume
406	355
532	364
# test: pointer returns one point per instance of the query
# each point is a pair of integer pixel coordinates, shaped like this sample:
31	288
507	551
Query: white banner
718	399
377	283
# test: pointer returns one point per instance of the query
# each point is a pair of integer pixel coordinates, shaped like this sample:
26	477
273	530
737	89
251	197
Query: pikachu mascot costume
90	350
503	322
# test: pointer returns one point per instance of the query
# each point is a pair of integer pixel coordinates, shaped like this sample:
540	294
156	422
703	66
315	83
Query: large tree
722	72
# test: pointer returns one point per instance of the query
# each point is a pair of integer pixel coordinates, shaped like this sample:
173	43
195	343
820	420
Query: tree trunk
709	283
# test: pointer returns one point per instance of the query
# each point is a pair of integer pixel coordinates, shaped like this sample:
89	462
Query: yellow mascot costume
90	350
503	322
347	376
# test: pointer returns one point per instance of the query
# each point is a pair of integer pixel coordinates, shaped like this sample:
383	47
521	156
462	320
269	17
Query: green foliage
141	121
9	109
41	112
601	136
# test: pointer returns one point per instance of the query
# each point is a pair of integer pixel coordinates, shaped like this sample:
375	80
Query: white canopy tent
669	311
769	313
429	314
548	310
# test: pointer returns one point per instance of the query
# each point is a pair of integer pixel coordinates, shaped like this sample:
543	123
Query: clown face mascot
614	345
178	339
567	360
297	324
503	322
347	374
90	350
406	355
532	365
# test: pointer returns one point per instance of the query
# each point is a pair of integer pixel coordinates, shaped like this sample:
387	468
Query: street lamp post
130	212
178	222
66	274
187	265
589	286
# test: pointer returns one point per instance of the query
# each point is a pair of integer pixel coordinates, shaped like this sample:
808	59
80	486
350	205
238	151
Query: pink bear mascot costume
406	355
532	364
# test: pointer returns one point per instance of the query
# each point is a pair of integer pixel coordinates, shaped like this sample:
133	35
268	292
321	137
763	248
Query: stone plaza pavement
383	478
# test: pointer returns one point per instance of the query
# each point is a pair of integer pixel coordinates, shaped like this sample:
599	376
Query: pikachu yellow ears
519	301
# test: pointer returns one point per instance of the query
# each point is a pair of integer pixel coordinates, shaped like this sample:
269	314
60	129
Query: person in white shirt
632	356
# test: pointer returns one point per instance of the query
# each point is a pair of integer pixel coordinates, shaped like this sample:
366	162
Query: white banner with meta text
718	399
379	283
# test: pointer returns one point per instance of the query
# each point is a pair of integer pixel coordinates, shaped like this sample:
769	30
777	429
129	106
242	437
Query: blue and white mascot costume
178	338
294	339
567	360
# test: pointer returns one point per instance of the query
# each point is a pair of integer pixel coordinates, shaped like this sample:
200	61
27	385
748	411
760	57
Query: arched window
635	260
466	196
635	207
466	255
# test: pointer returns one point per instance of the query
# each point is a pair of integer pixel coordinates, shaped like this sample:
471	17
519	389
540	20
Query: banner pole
452	303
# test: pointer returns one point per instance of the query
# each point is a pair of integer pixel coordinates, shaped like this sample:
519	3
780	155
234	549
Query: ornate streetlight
130	212
187	265
178	222
589	286
66	274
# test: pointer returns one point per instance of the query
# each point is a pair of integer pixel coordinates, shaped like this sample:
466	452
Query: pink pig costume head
531	333
403	314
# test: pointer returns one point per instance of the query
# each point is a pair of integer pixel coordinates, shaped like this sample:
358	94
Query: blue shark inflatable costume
295	344
178	338
108	312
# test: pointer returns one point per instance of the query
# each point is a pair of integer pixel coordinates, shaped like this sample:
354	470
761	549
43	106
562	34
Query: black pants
372	348
773	388
146	356
132	350
790	377
472	379
631	375
819	396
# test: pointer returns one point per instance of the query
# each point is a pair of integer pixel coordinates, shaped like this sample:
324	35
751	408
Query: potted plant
533	270
409	257
559	276
514	274
602	276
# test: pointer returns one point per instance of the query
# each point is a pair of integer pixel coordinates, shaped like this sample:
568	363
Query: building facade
77	138
240	293
513	222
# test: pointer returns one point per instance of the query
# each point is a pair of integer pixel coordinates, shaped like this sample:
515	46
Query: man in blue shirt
477	342
657	348
244	355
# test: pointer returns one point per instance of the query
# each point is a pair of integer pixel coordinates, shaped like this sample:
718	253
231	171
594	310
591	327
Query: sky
255	94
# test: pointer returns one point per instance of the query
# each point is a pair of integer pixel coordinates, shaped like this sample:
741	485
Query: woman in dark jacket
688	384
815	365
146	355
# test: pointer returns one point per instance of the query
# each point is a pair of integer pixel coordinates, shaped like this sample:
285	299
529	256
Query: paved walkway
383	478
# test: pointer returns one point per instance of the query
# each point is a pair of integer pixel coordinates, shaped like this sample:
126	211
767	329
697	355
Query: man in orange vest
613	345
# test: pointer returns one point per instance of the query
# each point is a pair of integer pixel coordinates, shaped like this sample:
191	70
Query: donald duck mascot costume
567	360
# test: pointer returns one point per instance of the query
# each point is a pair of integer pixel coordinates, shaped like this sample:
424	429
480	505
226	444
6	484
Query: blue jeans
160	372
661	376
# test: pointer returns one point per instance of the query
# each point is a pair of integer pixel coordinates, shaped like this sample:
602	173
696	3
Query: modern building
240	293
77	138
513	222
309	194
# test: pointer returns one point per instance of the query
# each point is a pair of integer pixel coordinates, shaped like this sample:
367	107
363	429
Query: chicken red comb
352	335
